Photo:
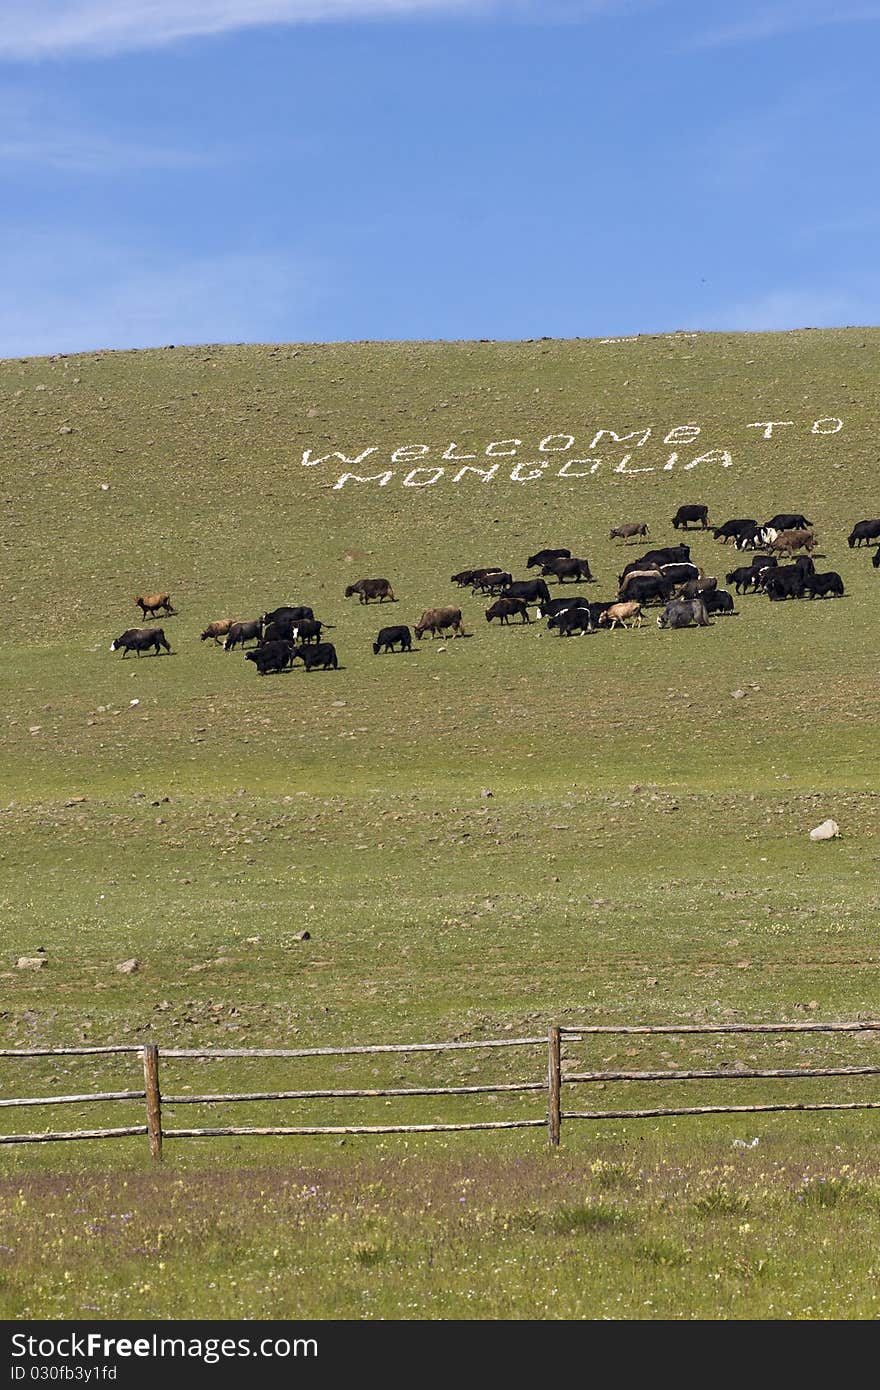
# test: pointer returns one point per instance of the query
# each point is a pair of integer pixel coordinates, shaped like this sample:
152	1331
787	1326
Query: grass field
483	837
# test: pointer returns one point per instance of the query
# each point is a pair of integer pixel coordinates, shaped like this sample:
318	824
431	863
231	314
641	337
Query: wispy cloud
68	293
771	21
45	28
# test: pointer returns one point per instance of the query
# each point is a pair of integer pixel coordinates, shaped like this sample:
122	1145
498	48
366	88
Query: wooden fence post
154	1099
554	1085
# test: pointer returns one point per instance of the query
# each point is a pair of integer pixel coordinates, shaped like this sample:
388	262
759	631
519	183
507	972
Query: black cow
805	564
680	574
140	639
789	521
293	613
569	568
864	531
666	555
748	576
274	656
644	589
750	539
684	612
532	590
785	581
507	608
555	605
828	585
494	582
542	556
732	530
240	633
389	637
306	630
577	618
685	515
323	655
717	601
465	577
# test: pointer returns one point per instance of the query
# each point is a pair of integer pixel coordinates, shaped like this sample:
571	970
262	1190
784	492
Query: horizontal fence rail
557	1077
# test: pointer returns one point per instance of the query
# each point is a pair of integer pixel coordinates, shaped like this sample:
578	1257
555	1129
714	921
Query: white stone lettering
408	452
670	464
494	449
622	468
410	479
309	462
538	472
832	420
484	473
640	436
768	426
380	478
451	454
565	470
682	434
547	442
721	456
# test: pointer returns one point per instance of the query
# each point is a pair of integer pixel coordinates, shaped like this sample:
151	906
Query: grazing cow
293	614
286	630
732	530
698	588
617	613
631	528
495	582
568	569
666	555
140	639
217	630
828	585
788	521
864	531
747	577
274	656
466	577
151	603
685	515
785	581
439	620
506	608
680	574
323	656
390	636
367	589
542	556
787	542
648	588
805	565
577	618
717	601
683	613
756	536
239	633
556	605
532	590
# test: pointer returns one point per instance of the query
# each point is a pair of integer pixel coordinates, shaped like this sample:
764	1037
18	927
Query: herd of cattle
665	576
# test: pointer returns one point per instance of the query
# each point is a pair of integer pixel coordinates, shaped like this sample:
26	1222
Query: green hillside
482	837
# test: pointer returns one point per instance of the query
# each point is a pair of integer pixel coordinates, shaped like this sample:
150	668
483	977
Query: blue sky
321	170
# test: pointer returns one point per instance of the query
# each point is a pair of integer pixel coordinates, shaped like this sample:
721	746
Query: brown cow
619	612
631	528
151	603
371	588
439	620
217	630
787	542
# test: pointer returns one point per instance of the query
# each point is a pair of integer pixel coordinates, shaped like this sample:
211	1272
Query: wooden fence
552	1083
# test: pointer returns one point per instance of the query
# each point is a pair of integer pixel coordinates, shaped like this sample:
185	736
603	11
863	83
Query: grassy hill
491	833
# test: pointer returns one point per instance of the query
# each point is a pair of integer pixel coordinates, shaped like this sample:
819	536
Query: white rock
828	830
